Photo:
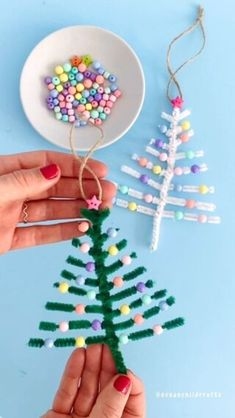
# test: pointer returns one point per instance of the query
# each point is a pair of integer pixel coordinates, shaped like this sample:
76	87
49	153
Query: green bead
67	67
91	294
103	116
190	155
146	299
92	92
83	100
74	70
65	118
73	82
123	189
71	76
123	339
58	116
87	60
179	215
94	114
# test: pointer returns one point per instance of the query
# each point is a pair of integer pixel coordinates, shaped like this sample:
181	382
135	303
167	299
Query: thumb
113	398
23	184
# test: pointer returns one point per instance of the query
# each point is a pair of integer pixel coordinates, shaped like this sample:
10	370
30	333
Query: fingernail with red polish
50	171
122	384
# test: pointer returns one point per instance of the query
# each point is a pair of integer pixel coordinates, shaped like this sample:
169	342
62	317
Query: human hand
91	388
38	177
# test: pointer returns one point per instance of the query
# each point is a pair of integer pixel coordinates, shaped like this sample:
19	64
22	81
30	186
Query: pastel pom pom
184	137
148	198
126	260
91	294
80	342
138	319
90	266
202	219
141	287
203	189
83	226
163	306
124	309
112	232
179	215
48	343
113	250
123	189
63	287
163	156
132	206
146	299
157	169
123	339
96	325
158	330
64	326
85	247
143	162
185	125
118	281
190	204
178	171
80	309
80	280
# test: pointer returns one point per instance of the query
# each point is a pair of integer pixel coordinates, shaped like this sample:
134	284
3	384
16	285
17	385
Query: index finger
68	388
67	162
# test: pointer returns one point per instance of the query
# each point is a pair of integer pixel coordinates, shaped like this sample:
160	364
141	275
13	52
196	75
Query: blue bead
179	188
83	123
112	78
113	87
75	103
112	232
163	128
101	71
56	102
163	306
80	280
79	77
77	123
54	93
85	93
96	65
48	343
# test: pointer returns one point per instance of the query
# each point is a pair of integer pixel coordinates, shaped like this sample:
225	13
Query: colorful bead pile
81	90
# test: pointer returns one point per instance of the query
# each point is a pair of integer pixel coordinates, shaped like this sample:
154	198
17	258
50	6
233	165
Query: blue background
194	261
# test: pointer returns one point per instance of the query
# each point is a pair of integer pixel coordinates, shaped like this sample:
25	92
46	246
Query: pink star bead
93	203
177	102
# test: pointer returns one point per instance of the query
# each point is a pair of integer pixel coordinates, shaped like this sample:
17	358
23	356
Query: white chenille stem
183	155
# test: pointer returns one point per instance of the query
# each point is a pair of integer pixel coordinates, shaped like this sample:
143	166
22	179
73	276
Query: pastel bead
51	86
203	189
178	171
143	162
80	87
112	78
179	215
90	266
87	83
58	116
47	80
123	339
126	260
190	154
48	343
146	299
144	178
79	77
98	121
94	114
118	281
141	287
85	247
148	198
94	104
99	79
112	98
63	287
138	319
67	67
80	280
80	309
86	114
195	169
76	60
55	80
123	189
109	104
202	219
113	250
185	125
64	326
80	342
107	110
163	129
163	156
112	232
159	143
71	118
96	325
59	88
124	309
74	70
64	78
157	329
91	294
132	206
82	67
184	137
96	65
190	204
163	306
157	169
117	93
65	118
81	108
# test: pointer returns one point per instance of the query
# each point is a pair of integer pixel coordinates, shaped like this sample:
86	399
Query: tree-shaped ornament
97	283
171	199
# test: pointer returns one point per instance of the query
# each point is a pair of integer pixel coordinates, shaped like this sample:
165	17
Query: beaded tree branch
167	165
107	322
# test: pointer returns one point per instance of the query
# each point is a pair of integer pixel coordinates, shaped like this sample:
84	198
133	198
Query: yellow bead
88	106
64	78
125	310
80	342
157	169
186	125
59	88
113	250
59	70
63	287
132	206
80	87
203	189
78	96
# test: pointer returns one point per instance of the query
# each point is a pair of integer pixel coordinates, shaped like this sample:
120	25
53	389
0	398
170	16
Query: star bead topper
93	203
177	102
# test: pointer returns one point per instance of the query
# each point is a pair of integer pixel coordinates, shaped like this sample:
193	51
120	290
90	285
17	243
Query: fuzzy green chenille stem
100	287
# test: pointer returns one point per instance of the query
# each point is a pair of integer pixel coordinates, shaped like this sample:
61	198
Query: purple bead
159	143
87	74
144	178
54	93
90	99
195	169
64	111
98	97
101	70
67	85
93	76
49	99
75	103
96	325
65	92
50	106
48	80
56	102
141	287
90	266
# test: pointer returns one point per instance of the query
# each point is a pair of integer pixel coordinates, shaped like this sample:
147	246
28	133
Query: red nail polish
122	384
50	171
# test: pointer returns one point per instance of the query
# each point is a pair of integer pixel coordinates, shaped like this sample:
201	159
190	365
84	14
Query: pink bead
190	204
72	90
163	156
83	226
148	198
84	248
50	86
138	319
118	281
87	83
70	112
109	104
105	96
68	105
102	103
178	171
82	67
64	326
107	110
112	98
91	120
158	329
80	309
202	219
86	114
126	260
99	79
72	118
100	90
81	108
94	104
62	104
61	97
69	98
117	93
98	121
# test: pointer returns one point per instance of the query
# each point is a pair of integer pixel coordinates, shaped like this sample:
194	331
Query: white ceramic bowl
114	54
